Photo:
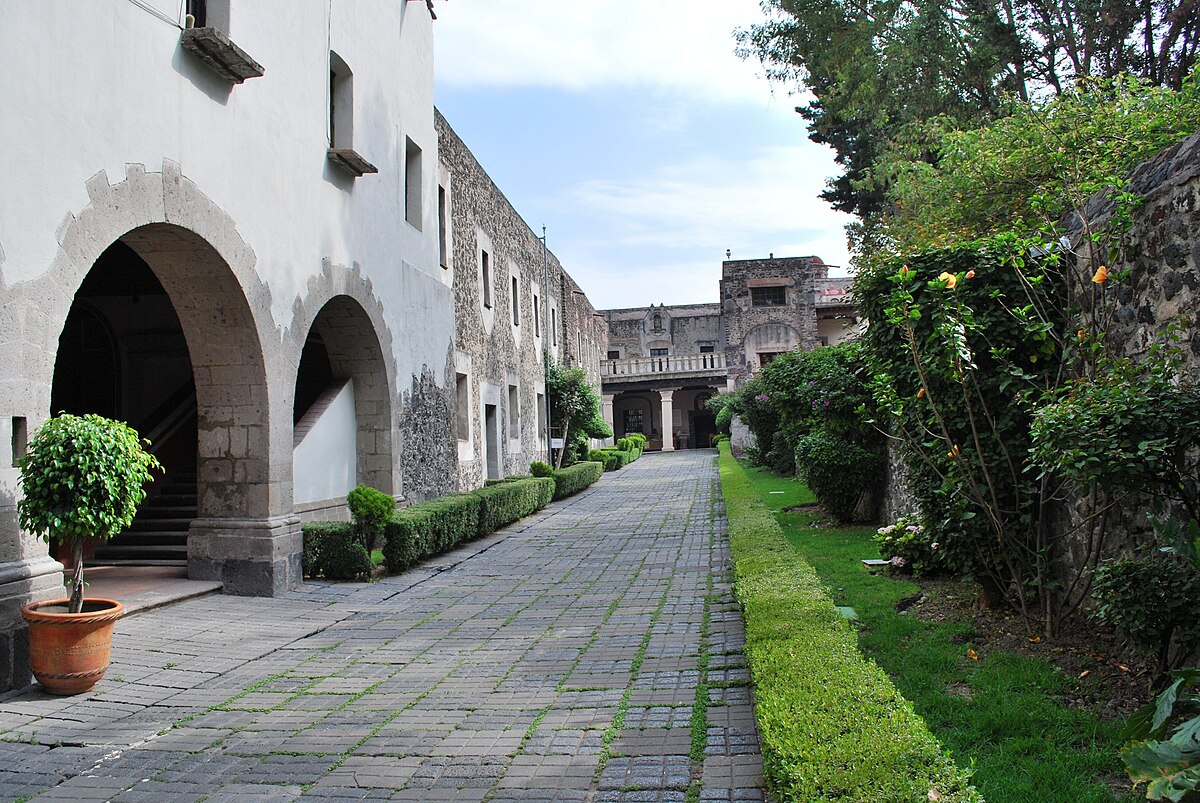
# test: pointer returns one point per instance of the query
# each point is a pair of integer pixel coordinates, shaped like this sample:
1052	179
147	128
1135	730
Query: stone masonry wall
742	318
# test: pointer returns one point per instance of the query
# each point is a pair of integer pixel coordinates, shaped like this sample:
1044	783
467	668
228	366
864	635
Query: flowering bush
910	547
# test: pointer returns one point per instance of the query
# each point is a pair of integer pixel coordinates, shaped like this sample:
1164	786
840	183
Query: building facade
233	225
663	363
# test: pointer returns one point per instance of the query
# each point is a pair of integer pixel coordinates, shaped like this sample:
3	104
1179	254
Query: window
537	318
633	421
658	323
199	11
516	303
765	357
514	417
20	438
768	296
553	327
341	103
209	14
412	185
659	352
486	264
462	423
706	348
443	229
614	355
541	413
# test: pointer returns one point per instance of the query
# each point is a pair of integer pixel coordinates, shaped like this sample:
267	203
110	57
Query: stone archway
342	381
245	533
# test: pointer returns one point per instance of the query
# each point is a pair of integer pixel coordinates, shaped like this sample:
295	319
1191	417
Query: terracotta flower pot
68	652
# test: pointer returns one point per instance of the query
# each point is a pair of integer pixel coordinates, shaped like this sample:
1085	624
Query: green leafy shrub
429	528
545	491
838	471
370	509
539	469
1153	597
572	480
603	457
912	549
833	725
332	551
82	477
1170	767
501	505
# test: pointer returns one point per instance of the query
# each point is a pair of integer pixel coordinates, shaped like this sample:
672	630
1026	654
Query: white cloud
762	201
674	45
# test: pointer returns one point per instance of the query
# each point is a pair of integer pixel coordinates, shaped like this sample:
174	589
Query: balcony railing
711	362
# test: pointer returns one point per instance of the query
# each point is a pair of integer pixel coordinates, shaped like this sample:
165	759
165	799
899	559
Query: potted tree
82	477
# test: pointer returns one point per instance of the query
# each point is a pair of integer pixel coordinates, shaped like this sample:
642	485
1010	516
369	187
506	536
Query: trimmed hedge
833	725
505	502
572	480
332	550
429	528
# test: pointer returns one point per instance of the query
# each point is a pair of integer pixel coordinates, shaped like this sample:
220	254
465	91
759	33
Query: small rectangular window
462	422
537	323
199	11
514	414
487	279
706	348
443	229
541	412
614	355
659	352
768	296
412	184
553	327
633	421
341	103
20	438
765	357
516	303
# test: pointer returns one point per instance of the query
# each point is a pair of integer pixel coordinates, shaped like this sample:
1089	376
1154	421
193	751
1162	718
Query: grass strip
833	725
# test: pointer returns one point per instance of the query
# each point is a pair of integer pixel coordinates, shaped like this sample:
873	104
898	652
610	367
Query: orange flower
1081	334
970	274
949	278
1101	275
906	272
921	393
953	452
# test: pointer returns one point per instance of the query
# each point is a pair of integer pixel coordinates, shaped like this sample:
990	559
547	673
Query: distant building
663	363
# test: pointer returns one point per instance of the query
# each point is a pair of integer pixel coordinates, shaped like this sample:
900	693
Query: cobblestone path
591	652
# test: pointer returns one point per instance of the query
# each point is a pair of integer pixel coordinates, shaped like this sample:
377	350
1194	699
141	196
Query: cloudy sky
636	136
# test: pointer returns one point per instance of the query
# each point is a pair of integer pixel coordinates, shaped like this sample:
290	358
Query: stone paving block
550	772
653	742
463	742
572	742
254	793
743	795
153	791
370	772
640	796
646	772
733	772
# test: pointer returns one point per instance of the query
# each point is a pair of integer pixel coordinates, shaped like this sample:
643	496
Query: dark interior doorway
122	354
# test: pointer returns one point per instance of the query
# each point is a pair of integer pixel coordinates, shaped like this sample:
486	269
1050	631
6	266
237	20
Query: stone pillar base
252	557
23	582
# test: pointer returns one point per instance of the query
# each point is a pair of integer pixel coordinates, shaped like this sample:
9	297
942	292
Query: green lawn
1004	721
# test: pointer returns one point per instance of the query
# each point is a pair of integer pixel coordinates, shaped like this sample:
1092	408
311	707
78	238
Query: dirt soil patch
1108	678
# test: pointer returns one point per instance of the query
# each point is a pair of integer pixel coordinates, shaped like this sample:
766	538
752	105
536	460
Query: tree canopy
876	66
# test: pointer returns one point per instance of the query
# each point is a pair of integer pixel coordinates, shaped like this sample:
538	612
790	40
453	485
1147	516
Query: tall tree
876	66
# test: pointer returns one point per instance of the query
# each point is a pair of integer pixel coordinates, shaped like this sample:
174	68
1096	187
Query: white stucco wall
323	465
95	89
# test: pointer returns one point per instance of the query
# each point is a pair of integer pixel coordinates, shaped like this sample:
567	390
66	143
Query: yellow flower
953	452
949	278
1101	275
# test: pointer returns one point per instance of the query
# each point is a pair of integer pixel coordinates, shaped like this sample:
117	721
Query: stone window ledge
349	160
214	48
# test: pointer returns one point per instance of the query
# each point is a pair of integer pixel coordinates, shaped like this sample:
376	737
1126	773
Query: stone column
668	420
608	417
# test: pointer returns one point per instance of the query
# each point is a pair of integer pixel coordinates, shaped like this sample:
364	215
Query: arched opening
160	334
122	354
342	409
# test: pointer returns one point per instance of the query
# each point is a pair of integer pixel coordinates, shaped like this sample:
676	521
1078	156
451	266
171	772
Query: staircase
158	535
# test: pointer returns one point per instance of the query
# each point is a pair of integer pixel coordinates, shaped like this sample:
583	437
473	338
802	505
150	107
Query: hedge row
617	457
833	726
427	528
573	479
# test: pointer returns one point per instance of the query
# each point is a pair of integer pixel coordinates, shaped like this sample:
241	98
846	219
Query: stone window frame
773	295
414	178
